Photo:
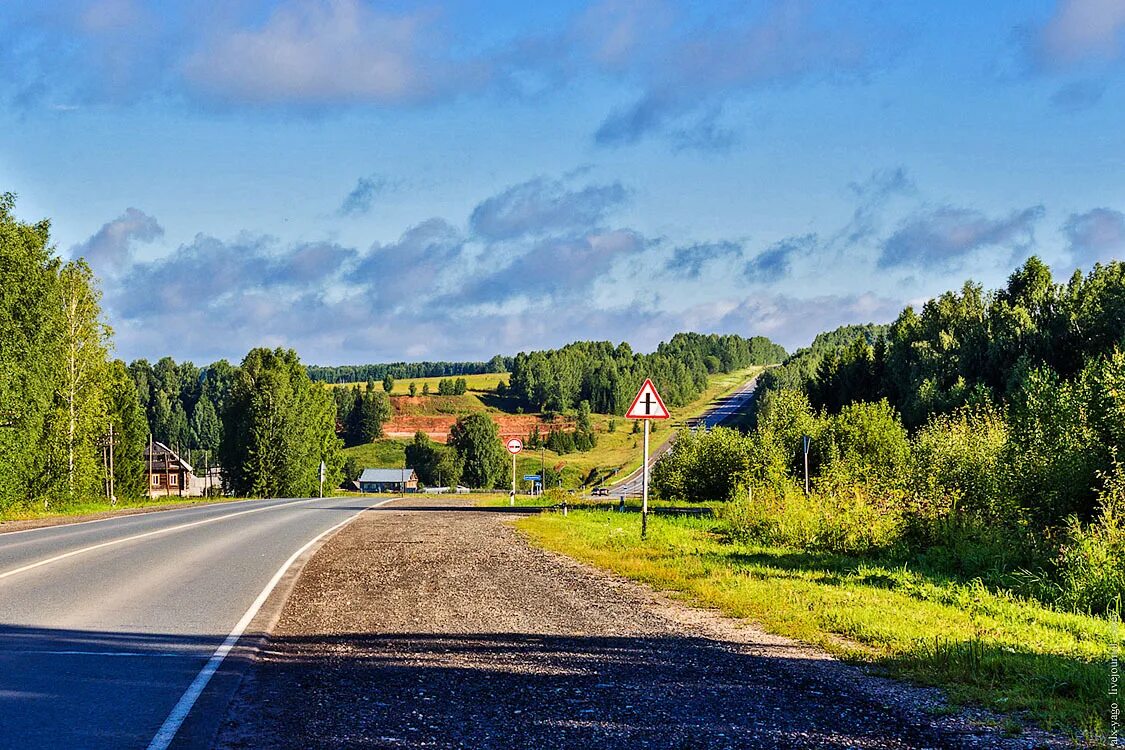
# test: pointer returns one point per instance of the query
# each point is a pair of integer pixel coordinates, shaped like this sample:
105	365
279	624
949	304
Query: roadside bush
959	467
849	521
865	443
1091	565
703	465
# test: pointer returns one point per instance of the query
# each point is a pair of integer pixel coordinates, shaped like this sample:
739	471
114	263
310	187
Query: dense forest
986	430
403	370
608	376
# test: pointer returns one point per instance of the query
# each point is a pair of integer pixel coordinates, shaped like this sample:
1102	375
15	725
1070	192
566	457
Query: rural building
168	474
388	480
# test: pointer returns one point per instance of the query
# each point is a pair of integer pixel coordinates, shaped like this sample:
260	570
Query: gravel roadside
430	623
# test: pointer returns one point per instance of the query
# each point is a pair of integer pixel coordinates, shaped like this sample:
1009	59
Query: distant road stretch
109	630
725	408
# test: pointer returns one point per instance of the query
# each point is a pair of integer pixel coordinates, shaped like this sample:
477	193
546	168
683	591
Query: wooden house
168	474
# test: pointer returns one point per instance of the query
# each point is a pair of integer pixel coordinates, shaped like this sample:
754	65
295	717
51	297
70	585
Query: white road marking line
78	652
180	711
119	516
112	542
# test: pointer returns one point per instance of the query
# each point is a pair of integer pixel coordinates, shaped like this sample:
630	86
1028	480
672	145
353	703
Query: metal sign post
514	446
646	406
806	441
323	469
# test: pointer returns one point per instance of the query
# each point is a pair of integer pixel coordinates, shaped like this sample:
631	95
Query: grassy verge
983	647
94	507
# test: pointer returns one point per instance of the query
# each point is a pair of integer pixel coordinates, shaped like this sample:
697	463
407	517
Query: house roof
386	475
161	457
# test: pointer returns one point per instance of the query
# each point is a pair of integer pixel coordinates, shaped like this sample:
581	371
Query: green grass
381	454
102	505
984	647
485	382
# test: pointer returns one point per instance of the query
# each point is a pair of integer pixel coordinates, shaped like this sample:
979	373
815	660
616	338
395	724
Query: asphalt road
105	626
724	409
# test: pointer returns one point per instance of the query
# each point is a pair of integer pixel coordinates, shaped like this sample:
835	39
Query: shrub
850	521
1091	564
959	462
703	465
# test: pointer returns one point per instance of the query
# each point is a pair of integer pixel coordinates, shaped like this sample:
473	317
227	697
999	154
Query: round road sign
514	446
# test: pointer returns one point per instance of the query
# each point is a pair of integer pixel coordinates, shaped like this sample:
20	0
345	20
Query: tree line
984	431
608	376
63	399
405	370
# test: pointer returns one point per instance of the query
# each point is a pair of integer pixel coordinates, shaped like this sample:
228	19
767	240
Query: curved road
724	409
108	628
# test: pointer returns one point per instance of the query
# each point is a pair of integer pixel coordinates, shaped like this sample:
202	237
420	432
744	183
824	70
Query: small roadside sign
647	404
514	446
531	477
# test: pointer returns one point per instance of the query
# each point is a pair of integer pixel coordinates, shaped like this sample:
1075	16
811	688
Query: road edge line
167	732
145	535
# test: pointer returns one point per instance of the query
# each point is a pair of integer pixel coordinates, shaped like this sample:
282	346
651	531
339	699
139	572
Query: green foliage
703	465
413	389
959	467
388	383
351	469
452	387
405	370
845	520
608	377
370	410
1091	562
59	393
436	464
130	434
483	460
278	428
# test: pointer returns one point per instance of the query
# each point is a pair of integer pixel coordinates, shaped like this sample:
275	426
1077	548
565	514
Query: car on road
601	492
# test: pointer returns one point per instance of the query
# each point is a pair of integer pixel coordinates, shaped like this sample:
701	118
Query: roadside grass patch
984	646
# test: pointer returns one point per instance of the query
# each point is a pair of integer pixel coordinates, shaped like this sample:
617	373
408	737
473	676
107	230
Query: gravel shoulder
431	623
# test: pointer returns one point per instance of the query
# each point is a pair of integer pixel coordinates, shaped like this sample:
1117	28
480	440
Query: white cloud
1081	30
330	52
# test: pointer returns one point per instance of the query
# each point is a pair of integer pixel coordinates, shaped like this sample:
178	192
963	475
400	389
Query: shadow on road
510	690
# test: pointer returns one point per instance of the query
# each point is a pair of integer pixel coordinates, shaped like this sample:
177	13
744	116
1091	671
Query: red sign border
514	453
637	400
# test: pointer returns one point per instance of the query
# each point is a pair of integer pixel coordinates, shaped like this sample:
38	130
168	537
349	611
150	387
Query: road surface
433	624
723	409
105	626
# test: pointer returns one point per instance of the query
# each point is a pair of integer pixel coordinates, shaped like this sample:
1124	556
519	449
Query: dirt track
438	626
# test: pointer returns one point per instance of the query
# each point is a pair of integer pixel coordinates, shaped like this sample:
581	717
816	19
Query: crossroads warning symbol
647	404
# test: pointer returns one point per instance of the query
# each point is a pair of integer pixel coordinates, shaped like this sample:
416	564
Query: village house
388	480
168	474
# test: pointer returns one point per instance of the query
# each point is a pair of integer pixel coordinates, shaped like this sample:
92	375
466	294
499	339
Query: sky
372	181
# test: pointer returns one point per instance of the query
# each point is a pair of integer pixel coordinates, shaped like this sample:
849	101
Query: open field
983	647
485	382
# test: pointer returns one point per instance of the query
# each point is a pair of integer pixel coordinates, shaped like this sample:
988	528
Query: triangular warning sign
647	404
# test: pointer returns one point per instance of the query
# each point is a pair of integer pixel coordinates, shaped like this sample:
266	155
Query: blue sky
373	181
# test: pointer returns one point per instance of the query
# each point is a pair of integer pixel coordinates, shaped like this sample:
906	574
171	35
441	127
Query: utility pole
644	488
112	496
806	441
